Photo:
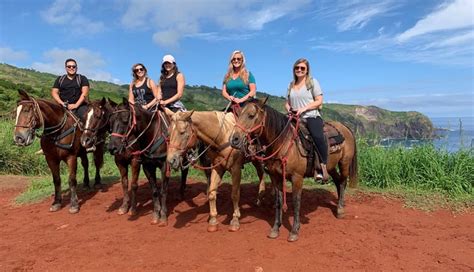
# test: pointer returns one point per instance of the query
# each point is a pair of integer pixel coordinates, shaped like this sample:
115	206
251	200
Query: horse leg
98	162
150	173
184	177
123	169
341	188
236	177
261	184
164	194
85	166
216	177
296	191
134	185
72	164
54	167
277	187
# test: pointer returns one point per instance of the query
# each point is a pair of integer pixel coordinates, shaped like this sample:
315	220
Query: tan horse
273	130
213	129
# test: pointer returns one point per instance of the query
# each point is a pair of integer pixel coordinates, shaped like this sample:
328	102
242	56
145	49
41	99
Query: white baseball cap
168	58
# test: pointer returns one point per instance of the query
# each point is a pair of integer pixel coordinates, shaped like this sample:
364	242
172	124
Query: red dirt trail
376	234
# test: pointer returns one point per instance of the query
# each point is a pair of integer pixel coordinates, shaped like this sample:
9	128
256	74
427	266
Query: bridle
42	130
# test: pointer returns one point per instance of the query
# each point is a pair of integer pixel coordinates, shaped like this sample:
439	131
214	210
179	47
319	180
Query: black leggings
81	112
315	127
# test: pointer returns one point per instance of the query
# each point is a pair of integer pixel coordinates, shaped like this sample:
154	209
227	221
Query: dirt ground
376	234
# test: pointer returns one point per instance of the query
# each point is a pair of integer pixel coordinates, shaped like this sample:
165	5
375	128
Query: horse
94	132
212	129
143	134
284	161
60	132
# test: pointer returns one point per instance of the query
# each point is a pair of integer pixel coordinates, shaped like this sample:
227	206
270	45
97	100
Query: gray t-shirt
302	97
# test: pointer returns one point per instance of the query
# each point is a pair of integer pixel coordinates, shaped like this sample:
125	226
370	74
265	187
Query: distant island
365	121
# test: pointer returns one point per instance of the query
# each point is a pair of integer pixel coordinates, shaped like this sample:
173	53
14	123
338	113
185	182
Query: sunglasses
138	70
237	59
71	66
302	68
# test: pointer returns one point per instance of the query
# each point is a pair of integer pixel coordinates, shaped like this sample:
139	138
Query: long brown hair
243	73
134	75
165	73
309	78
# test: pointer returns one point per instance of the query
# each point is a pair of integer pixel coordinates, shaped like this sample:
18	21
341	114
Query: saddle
307	148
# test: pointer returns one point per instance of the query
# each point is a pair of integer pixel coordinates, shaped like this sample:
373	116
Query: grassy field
421	175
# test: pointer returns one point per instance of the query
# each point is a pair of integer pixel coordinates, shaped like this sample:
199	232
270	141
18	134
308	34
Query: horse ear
169	112
187	114
23	95
265	100
112	103
125	102
103	102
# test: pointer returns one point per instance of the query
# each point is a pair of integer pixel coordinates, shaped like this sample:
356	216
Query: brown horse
213	129
60	134
94	132
143	134
284	160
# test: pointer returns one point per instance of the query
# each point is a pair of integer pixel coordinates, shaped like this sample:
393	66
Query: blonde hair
309	78
243	73
134	75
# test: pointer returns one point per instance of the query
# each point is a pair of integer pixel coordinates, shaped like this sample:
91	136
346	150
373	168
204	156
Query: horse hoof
163	223
154	221
122	211
98	186
55	207
73	210
86	188
132	212
234	228
273	234
340	213
293	237
212	228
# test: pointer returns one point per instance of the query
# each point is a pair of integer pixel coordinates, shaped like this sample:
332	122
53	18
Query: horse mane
275	119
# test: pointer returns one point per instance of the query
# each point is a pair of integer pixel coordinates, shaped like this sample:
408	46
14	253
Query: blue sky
396	54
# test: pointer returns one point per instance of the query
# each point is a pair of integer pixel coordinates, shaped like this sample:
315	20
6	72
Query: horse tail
353	169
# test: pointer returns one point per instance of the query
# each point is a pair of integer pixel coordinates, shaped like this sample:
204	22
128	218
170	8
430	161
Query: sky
401	55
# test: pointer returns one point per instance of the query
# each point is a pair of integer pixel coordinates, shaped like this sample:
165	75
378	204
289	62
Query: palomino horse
274	131
144	134
97	124
213	129
60	134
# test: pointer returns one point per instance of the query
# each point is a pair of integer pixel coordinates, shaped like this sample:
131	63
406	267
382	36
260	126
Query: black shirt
169	87
69	89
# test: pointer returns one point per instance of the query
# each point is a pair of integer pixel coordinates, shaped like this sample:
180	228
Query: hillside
366	121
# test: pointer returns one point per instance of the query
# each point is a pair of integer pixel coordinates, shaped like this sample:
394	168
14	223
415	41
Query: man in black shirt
71	89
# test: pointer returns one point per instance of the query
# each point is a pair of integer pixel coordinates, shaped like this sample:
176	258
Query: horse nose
174	162
19	140
235	141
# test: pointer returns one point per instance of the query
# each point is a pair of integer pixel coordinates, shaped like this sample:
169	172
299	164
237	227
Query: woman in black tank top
171	85
142	90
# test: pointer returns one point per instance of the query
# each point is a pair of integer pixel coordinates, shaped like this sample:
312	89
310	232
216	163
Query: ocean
452	134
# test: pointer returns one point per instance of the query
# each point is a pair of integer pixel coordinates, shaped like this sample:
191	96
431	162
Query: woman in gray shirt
306	98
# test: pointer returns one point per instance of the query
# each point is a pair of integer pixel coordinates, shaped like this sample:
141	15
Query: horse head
121	125
97	115
28	119
249	124
182	137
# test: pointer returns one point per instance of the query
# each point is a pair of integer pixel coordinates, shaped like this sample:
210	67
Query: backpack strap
78	80
61	80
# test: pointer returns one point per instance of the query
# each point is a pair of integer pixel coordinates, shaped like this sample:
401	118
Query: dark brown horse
94	132
60	133
213	129
284	160
143	134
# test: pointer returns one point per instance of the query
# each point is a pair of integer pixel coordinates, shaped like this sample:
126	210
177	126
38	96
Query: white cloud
89	63
189	18
449	16
68	13
360	16
9	55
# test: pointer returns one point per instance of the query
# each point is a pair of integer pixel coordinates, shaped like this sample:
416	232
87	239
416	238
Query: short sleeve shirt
69	89
237	87
302	97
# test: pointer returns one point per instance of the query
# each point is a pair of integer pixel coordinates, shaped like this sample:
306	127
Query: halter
132	123
101	124
41	131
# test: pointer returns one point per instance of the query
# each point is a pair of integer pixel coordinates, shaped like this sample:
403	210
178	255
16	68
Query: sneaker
39	152
91	149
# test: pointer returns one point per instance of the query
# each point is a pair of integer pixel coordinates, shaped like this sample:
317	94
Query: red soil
376	234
